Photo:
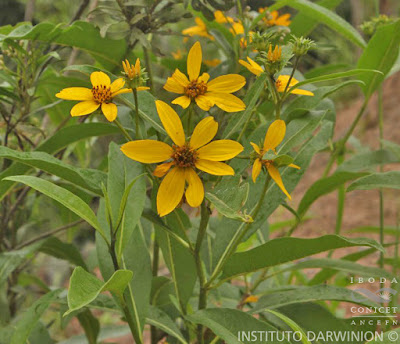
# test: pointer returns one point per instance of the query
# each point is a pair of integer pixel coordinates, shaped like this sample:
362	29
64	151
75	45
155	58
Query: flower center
101	93
195	89
267	163
184	156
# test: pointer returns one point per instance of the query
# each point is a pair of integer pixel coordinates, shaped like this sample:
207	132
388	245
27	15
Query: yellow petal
226	83
203	103
204	77
122	91
142	88
194	61
251	298
100	78
171	191
84	108
252	69
302	92
294	166
173	86
283	80
110	111
147	151
171	122
195	190
183	101
225	101
275	175
220	150
275	134
256	148
161	170
180	78
214	167
204	132
256	169
117	85
75	93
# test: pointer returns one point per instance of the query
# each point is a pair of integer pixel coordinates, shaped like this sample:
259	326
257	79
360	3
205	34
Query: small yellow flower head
251	299
275	55
282	82
101	94
200	29
274	19
221	18
198	88
252	66
183	158
275	134
134	75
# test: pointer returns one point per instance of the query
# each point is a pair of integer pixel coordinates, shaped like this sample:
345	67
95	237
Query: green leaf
380	54
303	25
90	325
237	120
81	34
161	320
324	186
367	161
327	17
283	250
88	179
55	143
63	196
388	337
308	294
389	180
9	261
84	287
372	229
291	324
61	250
229	323
30	318
341	265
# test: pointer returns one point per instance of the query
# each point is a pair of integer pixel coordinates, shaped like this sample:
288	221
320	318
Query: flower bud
301	45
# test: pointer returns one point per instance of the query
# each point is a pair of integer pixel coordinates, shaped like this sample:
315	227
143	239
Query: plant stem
137	128
240	233
156	259
123	131
381	200
296	64
148	68
342	143
205	215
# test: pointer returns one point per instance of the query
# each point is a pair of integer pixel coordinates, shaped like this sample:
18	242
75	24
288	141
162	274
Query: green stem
240	233
156	259
342	143
123	131
381	200
275	96
296	64
148	68
137	128
205	215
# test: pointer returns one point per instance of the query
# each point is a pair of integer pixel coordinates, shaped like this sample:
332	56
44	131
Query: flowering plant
172	183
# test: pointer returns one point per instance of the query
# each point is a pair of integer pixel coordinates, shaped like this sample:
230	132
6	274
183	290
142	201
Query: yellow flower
283	80
205	93
198	30
275	134
177	55
274	19
276	54
101	94
221	18
252	66
183	158
133	73
251	298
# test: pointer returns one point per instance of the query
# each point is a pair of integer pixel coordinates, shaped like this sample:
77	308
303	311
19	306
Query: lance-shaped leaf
389	180
84	287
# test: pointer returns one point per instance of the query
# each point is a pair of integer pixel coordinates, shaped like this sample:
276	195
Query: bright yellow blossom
274	55
283	80
274	19
205	93
198	30
280	83
133	73
275	134
221	18
183	158
101	94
